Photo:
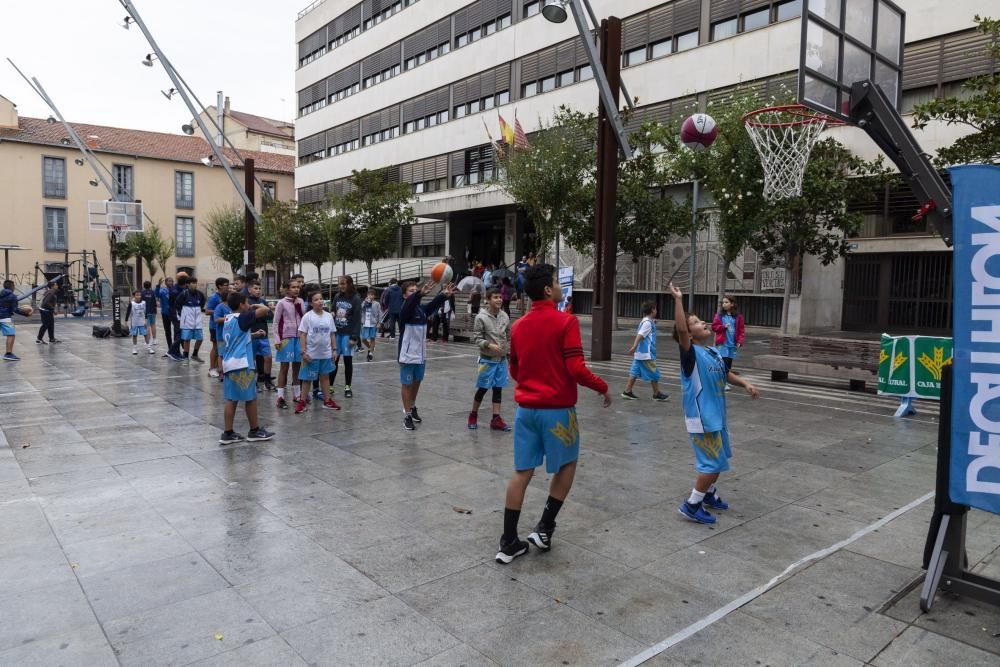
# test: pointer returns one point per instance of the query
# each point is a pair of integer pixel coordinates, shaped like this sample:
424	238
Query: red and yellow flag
506	131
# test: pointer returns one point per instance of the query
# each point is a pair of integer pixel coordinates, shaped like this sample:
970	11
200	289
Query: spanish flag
506	131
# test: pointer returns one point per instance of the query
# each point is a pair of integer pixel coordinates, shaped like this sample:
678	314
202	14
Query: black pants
48	324
729	363
390	323
436	322
168	330
348	370
175	347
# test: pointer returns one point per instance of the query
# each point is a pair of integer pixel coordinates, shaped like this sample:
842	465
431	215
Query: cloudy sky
91	66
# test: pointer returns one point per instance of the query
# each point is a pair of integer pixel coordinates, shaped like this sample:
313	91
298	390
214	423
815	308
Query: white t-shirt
317	328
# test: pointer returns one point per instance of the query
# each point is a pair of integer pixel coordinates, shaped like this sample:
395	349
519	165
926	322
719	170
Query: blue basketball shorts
150	319
550	434
410	373
288	351
192	334
367	333
240	385
315	369
344	346
261	347
492	374
711	451
137	331
7	328
645	370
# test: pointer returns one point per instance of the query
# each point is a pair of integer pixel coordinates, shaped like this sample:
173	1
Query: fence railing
308	9
409	270
757	309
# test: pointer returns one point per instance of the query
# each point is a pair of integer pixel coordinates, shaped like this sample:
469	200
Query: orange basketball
442	273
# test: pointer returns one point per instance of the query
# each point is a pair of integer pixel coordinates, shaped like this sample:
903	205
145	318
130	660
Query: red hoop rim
807	116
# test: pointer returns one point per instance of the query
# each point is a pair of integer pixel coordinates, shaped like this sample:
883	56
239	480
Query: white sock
281	392
711	491
297	391
406	413
695	497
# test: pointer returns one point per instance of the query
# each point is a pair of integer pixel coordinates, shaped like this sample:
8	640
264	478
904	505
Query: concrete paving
131	537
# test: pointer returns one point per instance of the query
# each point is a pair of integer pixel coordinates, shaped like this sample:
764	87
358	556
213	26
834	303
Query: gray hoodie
491	329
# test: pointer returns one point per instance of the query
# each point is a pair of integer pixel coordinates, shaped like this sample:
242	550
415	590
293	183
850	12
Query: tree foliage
151	248
226	233
367	219
277	236
978	108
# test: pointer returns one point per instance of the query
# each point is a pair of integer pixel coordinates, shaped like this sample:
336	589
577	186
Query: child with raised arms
238	372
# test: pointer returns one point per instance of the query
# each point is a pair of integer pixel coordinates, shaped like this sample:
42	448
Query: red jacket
546	359
720	330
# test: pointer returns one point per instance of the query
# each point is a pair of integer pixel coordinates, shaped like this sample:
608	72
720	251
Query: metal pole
693	261
597	24
220	118
249	226
607	88
182	91
605	241
557	250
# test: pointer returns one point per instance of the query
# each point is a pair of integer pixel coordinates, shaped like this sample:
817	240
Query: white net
784	138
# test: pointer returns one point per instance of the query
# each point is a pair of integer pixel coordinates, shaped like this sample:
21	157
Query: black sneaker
258	434
629	396
39	341
347	392
54	341
230	437
542	537
370	356
508	551
408	423
195	357
661	396
416	417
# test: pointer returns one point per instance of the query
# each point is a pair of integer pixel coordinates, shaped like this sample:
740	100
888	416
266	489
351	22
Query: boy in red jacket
546	361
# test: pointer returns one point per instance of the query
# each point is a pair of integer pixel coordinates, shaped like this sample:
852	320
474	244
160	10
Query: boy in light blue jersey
703	382
239	374
643	353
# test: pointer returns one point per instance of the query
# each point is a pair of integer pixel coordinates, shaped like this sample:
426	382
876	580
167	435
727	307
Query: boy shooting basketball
703	383
239	381
8	306
546	361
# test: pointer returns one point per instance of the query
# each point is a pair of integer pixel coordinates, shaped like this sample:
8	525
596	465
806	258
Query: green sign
911	366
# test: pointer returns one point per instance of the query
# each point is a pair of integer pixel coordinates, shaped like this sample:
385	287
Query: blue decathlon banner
975	423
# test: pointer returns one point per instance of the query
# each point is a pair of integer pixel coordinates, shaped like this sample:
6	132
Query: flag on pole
505	131
520	138
498	146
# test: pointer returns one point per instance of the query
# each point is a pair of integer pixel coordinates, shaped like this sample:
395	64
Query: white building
408	84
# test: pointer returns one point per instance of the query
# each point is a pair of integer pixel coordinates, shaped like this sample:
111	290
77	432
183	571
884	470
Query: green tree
226	233
277	237
313	234
367	219
146	247
164	251
553	179
978	108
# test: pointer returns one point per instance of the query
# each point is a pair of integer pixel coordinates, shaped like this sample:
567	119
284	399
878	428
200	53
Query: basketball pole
249	227
693	260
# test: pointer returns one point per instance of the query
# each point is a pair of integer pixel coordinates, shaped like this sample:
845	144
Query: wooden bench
463	321
841	358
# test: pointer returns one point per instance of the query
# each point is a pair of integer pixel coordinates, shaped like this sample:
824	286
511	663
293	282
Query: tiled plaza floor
130	537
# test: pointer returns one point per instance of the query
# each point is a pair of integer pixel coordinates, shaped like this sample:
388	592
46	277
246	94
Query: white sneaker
150	350
135	350
213	373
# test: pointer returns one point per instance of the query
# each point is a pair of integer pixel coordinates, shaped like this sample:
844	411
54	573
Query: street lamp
610	138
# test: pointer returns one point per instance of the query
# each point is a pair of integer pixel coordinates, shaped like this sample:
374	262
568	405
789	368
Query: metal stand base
905	407
947	567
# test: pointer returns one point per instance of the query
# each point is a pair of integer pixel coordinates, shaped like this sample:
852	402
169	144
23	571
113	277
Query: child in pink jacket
287	317
729	331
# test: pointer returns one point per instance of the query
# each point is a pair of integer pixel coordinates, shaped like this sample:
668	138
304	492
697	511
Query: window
503	97
565	78
183	189
268	194
661	48
54	177
55	228
634	57
584	73
724	29
687	41
548	83
529	89
532	8
757	19
123	183
789	10
184	236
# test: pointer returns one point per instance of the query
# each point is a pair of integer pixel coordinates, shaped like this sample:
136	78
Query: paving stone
922	648
81	645
40	612
274	651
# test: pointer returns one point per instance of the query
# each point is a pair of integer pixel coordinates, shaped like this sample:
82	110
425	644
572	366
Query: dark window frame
58	190
52	243
183	250
179	200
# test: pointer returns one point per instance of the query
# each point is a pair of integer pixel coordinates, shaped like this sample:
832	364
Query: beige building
47	187
249	132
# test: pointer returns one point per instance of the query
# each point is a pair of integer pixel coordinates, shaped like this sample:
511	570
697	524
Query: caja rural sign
975	425
910	366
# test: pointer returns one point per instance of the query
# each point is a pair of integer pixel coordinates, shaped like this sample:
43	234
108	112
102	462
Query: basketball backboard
847	41
118	217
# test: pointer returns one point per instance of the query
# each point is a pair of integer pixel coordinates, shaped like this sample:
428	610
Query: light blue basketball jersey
238	345
647	346
704	392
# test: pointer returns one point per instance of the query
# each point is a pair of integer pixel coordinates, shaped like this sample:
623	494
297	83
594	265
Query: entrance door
902	293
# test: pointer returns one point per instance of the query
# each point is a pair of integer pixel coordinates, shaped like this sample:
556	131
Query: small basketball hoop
117	218
119	231
784	138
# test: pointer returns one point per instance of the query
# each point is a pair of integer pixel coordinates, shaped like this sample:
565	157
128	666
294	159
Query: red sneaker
282	403
473	421
498	424
300	407
331	404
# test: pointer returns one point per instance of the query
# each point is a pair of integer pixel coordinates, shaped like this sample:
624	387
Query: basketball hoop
784	138
120	232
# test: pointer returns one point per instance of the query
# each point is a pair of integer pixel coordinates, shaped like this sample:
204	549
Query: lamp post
611	138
